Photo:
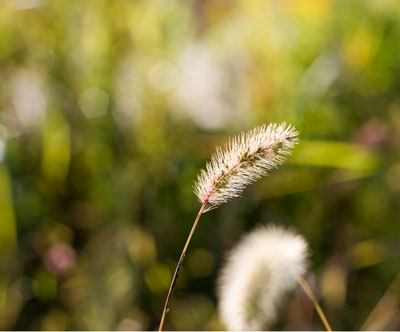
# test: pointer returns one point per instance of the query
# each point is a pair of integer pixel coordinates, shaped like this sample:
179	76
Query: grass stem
314	301
178	267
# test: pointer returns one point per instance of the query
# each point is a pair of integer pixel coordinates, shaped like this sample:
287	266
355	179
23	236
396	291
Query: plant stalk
314	301
178	267
385	310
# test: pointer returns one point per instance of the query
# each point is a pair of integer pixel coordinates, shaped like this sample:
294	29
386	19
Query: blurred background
109	109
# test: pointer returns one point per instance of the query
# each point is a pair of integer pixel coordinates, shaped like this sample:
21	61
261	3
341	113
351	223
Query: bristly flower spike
266	265
244	159
258	273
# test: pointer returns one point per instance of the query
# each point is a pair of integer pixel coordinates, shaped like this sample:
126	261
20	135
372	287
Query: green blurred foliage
108	110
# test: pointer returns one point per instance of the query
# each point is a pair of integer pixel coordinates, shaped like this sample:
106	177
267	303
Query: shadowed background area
109	109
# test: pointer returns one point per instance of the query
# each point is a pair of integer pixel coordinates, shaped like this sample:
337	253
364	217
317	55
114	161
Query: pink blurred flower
59	258
372	133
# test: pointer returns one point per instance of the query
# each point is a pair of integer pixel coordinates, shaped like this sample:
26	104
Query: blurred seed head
258	273
244	159
201	87
28	97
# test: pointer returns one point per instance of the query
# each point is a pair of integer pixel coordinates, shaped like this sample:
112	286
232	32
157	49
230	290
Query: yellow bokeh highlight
200	263
335	154
55	320
141	247
158	278
310	9
10	304
8	232
367	253
44	286
359	47
333	286
56	148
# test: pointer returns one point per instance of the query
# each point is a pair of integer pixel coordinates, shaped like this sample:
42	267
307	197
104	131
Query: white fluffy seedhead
244	159
259	271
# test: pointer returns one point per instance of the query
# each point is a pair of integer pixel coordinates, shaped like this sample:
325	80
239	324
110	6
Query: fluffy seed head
243	160
264	266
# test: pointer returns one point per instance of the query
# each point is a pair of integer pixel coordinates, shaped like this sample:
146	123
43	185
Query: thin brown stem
314	301
178	267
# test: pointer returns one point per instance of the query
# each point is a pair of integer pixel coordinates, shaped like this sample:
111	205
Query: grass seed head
243	160
258	273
